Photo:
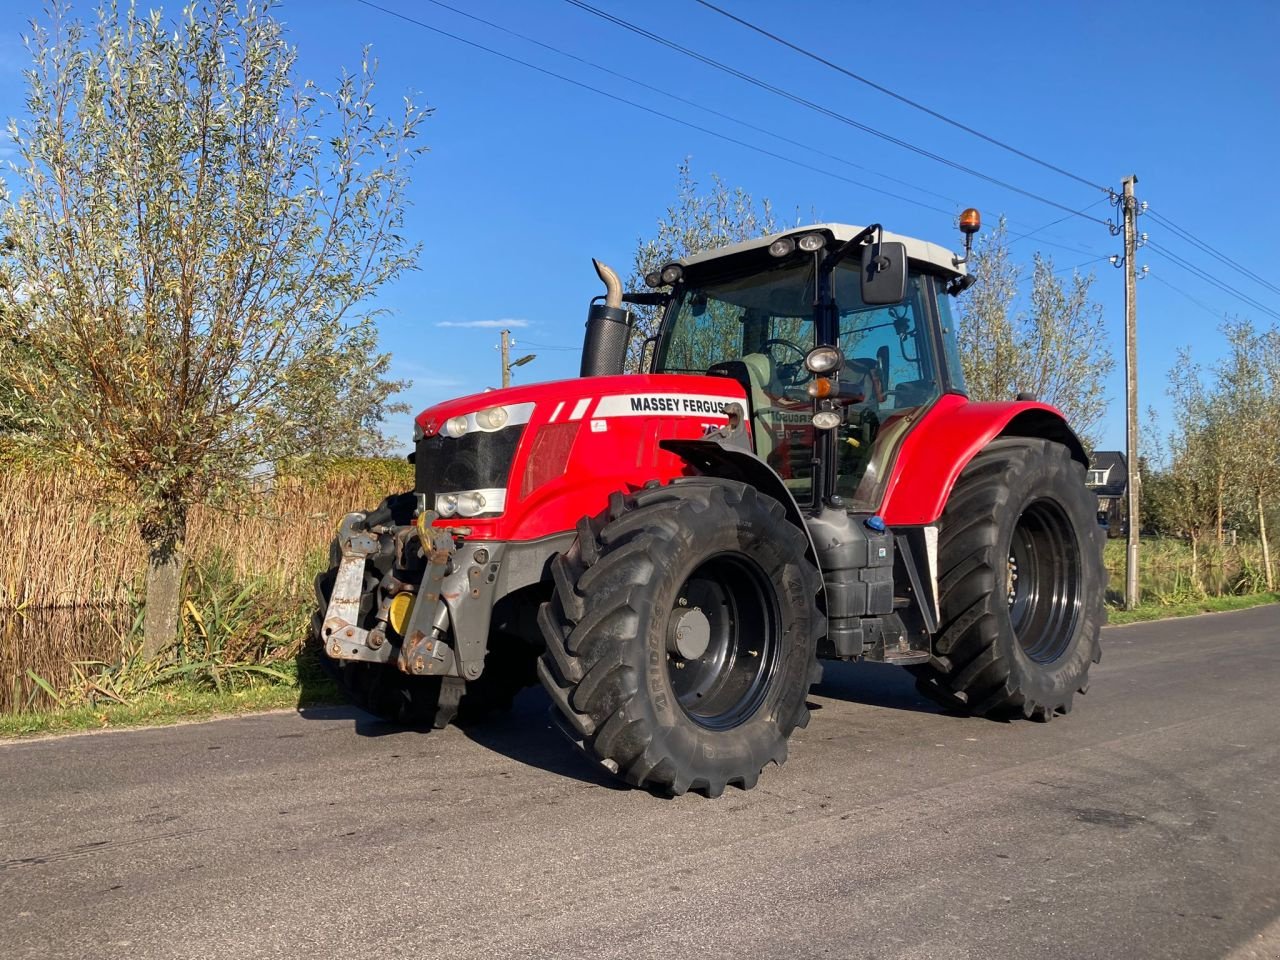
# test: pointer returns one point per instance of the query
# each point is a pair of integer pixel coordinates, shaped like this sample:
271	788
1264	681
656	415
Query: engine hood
587	397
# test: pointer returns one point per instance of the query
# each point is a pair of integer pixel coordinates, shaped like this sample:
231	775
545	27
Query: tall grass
1170	572
71	580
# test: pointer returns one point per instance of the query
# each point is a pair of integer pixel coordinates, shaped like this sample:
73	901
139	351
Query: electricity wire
902	99
650	110
1216	254
601	68
819	108
1214	281
1052	223
1183	293
701	129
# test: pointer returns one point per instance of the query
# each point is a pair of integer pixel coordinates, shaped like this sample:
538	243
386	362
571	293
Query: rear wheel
682	633
1021	584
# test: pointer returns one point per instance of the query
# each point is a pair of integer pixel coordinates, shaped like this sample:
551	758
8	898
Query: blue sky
528	177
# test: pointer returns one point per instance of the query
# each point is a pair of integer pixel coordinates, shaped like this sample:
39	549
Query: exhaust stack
604	348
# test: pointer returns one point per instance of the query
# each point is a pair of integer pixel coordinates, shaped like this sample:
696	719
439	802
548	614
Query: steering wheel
789	374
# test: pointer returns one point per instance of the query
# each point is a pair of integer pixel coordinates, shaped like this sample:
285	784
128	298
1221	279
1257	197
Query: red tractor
797	475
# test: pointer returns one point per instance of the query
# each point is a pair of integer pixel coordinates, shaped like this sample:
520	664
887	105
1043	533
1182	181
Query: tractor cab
767	313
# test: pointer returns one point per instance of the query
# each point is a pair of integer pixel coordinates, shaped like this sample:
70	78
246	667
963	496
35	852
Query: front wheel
682	633
1021	584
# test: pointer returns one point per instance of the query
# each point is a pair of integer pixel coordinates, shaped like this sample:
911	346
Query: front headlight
495	418
455	427
472	503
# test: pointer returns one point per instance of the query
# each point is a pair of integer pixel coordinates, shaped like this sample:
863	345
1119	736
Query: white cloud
484	324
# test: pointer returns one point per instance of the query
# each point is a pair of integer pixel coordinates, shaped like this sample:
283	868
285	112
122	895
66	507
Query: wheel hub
688	633
721	641
1042	581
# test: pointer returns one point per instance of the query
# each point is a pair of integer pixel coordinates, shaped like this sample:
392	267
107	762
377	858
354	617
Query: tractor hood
559	401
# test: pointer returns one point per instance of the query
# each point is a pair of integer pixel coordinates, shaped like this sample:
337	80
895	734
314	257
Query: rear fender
950	434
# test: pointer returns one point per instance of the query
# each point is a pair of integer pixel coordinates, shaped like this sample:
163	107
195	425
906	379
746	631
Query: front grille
474	461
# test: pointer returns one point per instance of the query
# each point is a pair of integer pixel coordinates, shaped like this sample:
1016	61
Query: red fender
951	433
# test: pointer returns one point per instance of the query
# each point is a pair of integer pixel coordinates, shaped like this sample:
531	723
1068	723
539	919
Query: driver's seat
761	372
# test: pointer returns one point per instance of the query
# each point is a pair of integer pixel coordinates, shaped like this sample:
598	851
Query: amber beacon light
970	223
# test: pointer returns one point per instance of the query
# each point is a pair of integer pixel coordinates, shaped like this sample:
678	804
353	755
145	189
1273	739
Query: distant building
1108	478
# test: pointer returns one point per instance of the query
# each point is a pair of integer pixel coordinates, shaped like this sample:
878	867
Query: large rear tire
681	636
1021	585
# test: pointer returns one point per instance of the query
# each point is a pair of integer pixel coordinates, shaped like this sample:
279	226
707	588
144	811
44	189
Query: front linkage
411	616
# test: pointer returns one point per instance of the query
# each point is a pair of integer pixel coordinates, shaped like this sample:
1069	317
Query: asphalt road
1145	824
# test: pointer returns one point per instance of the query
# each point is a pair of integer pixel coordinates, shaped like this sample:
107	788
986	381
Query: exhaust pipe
604	348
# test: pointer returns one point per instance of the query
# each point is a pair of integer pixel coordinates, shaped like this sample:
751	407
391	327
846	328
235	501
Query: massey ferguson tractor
796	475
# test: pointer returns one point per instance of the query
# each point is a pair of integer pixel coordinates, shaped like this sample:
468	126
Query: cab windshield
758	328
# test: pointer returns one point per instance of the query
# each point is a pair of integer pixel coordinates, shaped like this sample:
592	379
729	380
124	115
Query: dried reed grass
74	568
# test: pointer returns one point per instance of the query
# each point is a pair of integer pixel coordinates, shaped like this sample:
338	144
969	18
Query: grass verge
179	701
1164	611
310	686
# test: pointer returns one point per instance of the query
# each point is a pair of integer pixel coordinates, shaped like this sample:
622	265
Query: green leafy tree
1247	399
695	222
1056	348
195	238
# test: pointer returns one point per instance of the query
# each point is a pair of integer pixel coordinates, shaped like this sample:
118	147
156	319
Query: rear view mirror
884	273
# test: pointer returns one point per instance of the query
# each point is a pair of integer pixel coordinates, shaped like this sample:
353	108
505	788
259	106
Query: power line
796	98
547	346
601	68
1224	287
654	112
950	214
1183	293
1218	255
1026	275
792	160
1052	223
902	99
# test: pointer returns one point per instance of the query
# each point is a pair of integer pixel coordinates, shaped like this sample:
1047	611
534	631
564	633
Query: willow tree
1056	347
695	222
194	237
1247	396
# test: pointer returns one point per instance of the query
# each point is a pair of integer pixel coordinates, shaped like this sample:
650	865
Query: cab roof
919	250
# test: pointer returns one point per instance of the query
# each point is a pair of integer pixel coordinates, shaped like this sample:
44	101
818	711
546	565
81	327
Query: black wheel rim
724	686
1043	581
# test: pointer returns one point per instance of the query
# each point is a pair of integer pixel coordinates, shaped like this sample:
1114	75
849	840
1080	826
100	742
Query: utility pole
1132	488
507	362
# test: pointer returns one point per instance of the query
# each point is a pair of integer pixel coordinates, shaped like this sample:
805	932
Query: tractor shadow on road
873	684
528	735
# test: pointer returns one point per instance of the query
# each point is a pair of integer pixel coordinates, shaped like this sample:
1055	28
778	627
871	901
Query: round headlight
672	273
811	242
781	247
653	278
470	504
824	360
447	504
455	427
826	420
495	418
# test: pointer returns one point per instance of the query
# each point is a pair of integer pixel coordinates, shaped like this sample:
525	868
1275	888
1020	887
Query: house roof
1114	463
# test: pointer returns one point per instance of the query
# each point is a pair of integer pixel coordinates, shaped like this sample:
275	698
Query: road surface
1145	824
